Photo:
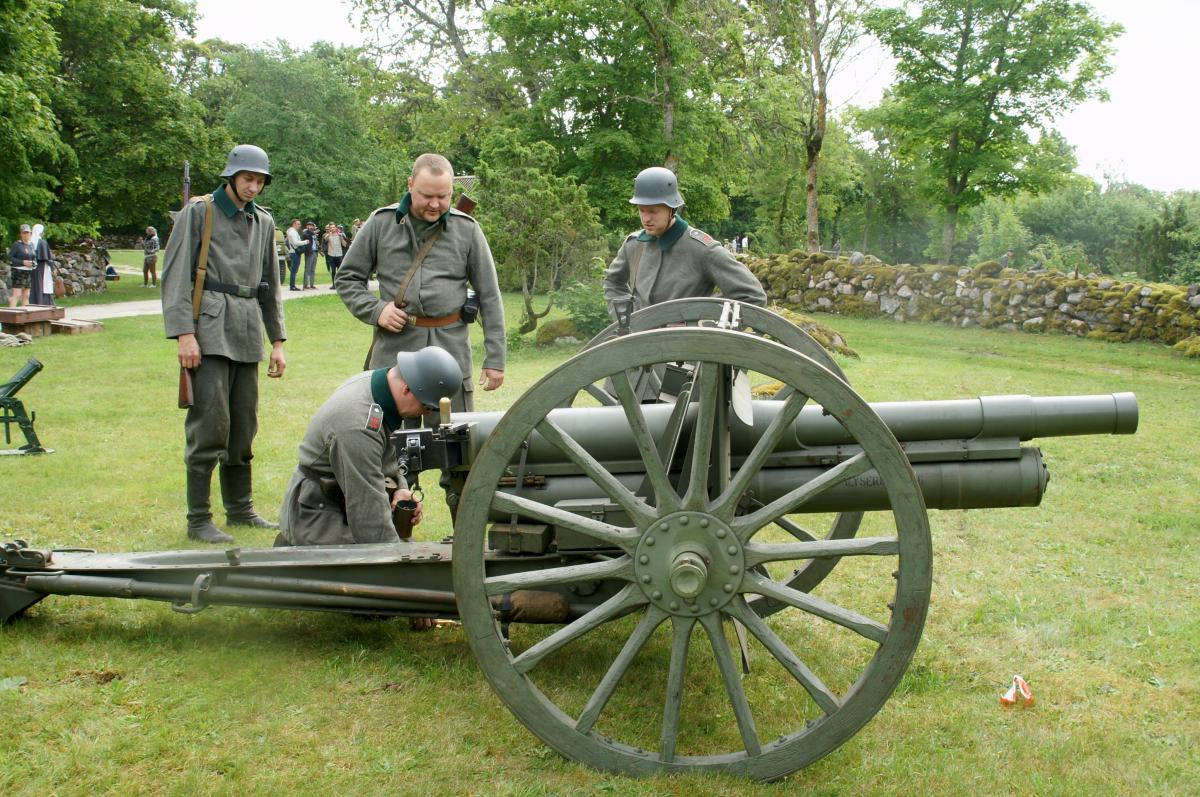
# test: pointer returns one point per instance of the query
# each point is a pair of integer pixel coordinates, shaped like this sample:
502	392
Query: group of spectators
308	241
31	268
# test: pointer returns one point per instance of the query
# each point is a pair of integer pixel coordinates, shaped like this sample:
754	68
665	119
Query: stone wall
81	270
988	295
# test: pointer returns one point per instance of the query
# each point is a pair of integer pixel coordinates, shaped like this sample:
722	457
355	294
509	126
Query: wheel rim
762	322
700	557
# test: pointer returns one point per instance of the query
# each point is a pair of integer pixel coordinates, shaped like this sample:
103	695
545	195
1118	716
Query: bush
586	307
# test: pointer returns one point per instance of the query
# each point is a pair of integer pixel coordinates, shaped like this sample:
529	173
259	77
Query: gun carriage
617	556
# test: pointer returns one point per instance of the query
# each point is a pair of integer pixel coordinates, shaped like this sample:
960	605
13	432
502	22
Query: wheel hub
689	563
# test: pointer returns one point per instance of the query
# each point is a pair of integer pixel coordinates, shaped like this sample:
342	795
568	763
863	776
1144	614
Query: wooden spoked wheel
764	323
647	680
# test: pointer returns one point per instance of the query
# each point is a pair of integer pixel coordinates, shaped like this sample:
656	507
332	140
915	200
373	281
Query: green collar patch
670	237
406	205
382	395
221	200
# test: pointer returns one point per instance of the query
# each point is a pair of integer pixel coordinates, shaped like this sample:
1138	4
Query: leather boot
199	516
237	494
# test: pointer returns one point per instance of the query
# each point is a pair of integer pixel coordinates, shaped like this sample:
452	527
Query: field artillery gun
612	565
12	411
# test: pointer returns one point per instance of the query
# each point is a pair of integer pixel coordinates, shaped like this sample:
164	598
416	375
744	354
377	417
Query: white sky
1140	135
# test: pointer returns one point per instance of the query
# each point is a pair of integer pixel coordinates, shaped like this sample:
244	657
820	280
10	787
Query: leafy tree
305	111
805	42
999	230
619	85
127	122
886	214
29	140
540	226
976	79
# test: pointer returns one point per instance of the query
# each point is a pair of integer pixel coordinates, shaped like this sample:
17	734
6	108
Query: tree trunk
811	210
949	225
815	137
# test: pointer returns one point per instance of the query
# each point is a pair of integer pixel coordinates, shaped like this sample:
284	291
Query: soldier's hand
278	362
406	495
189	351
393	319
491	379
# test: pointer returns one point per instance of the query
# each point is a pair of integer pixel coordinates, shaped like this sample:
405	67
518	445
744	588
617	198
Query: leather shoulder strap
412	270
202	261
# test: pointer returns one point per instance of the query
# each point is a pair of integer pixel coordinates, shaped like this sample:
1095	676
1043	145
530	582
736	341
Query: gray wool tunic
459	258
347	441
684	263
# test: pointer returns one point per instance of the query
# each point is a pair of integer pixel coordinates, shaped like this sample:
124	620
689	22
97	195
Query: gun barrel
1019	481
21	378
604	431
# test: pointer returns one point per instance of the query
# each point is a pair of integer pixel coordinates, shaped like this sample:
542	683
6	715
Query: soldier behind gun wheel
216	301
667	259
337	494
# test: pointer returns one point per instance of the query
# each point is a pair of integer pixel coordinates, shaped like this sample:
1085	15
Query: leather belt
434	321
241	291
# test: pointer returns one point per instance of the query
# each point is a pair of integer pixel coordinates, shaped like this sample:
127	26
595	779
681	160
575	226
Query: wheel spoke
703	431
638	510
656	471
555	576
726	504
674	699
637	640
746	525
629	597
600	395
795	529
862	546
597	530
733	683
821	694
864	626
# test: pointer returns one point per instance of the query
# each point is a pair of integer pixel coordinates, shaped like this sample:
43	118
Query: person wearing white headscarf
41	288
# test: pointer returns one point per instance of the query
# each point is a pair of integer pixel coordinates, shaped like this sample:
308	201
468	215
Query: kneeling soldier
337	494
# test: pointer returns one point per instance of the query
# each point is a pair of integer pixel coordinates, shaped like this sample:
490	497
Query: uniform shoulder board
374	418
392	207
702	236
633	234
457	212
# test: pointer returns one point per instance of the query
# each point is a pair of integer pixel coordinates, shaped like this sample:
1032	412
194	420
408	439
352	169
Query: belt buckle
244	293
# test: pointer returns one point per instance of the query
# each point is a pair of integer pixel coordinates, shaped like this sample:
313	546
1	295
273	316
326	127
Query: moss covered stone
560	329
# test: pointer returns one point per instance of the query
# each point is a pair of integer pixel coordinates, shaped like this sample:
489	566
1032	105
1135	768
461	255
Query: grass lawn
128	288
1091	597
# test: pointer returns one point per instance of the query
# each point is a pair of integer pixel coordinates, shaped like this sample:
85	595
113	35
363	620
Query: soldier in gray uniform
223	348
430	312
667	259
337	494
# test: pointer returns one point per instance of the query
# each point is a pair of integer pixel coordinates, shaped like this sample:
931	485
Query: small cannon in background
12	410
618	560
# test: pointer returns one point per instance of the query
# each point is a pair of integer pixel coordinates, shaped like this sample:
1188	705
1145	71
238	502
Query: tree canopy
555	105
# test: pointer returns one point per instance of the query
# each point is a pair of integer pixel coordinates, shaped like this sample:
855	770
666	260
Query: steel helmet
656	186
247	158
430	373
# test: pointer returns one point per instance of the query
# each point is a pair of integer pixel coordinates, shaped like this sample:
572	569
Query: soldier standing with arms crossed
218	325
427	256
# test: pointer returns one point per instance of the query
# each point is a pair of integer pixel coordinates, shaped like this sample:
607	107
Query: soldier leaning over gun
224	344
425	306
337	494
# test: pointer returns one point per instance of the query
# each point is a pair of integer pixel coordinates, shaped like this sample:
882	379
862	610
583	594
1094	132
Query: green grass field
1091	597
